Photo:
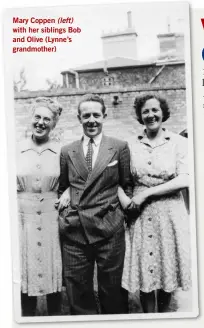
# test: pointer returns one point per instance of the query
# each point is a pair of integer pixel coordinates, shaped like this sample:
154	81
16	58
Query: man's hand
63	201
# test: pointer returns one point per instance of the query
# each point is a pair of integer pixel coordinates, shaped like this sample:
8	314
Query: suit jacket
94	212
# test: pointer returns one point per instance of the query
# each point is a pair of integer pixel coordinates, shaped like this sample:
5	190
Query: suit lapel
77	157
105	154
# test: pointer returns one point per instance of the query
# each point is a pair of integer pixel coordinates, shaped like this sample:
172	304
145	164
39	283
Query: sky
148	20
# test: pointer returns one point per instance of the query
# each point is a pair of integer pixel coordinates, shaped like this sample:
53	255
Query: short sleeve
132	160
18	186
182	155
18	154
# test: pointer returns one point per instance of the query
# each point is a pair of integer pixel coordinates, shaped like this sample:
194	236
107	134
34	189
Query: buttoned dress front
38	172
158	241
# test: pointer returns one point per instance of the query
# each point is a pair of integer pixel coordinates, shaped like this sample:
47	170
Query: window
108	80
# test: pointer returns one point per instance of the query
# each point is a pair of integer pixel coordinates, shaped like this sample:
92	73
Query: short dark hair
140	102
92	97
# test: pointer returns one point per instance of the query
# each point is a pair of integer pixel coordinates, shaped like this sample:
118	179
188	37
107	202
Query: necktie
89	155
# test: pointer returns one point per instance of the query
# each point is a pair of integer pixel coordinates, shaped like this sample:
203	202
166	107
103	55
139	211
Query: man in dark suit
93	224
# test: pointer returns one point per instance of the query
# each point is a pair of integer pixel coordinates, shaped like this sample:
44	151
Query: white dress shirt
96	145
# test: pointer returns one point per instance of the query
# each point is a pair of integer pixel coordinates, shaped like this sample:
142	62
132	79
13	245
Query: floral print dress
158	242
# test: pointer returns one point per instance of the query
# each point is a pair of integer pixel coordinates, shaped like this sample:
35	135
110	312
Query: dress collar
28	144
165	137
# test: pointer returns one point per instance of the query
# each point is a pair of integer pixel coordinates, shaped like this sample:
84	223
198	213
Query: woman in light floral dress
157	239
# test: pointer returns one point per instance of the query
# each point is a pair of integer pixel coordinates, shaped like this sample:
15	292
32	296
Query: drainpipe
105	67
157	74
76	77
67	80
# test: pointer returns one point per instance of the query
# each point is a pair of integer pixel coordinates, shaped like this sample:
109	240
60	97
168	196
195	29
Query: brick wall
121	121
171	75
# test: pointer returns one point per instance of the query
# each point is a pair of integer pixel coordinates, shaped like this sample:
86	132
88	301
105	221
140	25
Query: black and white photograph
102	190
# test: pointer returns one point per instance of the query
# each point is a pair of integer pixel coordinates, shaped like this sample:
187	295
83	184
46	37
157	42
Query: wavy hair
140	102
54	106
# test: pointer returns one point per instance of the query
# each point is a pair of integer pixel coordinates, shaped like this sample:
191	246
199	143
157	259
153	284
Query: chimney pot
129	15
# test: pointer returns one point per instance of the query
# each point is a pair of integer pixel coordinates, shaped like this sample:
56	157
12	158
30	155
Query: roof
123	62
114	62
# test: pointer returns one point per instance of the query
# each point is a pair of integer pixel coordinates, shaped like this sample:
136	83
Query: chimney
171	45
129	17
168	25
121	43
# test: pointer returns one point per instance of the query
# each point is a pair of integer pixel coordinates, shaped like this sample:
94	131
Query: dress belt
37	195
36	203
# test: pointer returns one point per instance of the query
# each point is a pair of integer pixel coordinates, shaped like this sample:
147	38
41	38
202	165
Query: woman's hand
64	200
140	198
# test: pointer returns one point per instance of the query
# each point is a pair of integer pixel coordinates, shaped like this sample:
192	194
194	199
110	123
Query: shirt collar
28	144
164	138
97	139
